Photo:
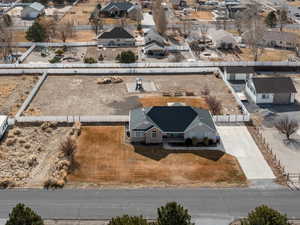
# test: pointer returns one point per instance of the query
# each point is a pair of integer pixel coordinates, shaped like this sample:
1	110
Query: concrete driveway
238	142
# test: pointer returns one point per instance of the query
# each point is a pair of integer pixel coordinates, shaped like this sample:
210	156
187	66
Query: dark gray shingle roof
117	32
274	85
124	6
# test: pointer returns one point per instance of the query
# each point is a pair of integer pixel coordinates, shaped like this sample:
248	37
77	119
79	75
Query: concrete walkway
238	142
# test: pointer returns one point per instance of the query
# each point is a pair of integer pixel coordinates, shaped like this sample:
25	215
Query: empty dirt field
268	55
81	95
13	92
202	15
105	159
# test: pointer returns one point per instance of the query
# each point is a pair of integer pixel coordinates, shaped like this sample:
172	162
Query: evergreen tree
22	215
173	214
36	33
271	19
263	215
126	57
128	220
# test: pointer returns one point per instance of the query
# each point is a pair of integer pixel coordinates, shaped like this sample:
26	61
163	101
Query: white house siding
137	136
149	137
267	99
293	97
249	92
116	42
200	132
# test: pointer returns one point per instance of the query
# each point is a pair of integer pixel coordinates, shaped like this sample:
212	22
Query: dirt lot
201	15
81	95
105	159
27	154
13	92
268	55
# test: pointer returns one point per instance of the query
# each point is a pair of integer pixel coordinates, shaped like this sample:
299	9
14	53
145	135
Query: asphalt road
224	204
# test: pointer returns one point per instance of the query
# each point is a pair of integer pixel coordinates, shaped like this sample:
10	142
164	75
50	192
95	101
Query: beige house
172	124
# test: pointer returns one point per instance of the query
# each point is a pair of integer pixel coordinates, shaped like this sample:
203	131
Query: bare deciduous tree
214	104
6	38
282	14
287	126
203	31
162	22
97	24
65	30
238	23
255	29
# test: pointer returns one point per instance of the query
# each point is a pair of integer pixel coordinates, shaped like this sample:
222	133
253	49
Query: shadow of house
156	152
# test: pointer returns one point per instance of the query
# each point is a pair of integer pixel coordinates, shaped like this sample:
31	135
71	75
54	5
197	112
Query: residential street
224	204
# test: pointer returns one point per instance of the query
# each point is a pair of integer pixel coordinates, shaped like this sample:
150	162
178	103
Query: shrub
128	220
54	183
68	147
89	60
126	57
24	215
100	58
215	105
6	183
263	215
59	52
173	214
206	141
55	59
194	141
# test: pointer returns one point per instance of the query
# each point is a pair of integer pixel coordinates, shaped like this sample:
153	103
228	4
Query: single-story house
32	11
3	125
221	39
155	49
171	124
120	9
116	37
238	72
235	9
271	90
153	35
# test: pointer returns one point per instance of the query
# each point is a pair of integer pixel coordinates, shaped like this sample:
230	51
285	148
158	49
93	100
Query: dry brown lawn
104	159
19	36
80	35
198	102
295	3
268	55
202	15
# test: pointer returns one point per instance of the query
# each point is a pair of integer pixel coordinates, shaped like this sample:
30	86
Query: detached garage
273	90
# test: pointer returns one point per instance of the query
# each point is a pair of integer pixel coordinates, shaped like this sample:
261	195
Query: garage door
282	98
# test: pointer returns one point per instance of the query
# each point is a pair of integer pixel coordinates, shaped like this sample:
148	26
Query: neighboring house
234	10
155	49
153	35
116	37
222	39
179	4
32	11
3	125
121	9
238	73
171	124
274	90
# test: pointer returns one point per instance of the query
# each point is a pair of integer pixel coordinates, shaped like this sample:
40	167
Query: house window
154	134
265	96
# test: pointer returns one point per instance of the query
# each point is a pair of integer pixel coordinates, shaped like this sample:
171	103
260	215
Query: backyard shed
271	90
